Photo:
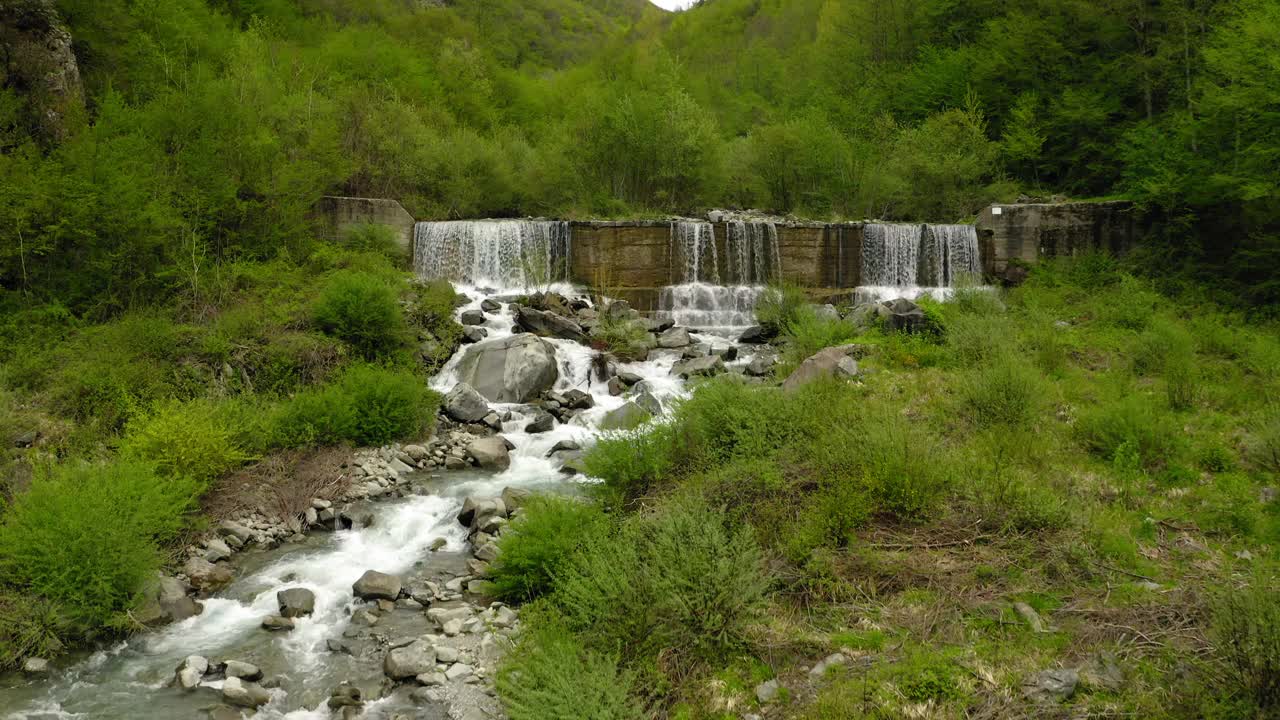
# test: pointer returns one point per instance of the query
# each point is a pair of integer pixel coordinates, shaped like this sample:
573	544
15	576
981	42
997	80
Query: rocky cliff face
39	63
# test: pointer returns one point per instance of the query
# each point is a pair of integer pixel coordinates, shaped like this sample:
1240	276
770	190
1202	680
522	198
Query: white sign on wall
997	211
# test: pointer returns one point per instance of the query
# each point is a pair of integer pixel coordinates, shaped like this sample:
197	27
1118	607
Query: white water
710	307
493	253
694	252
701	296
911	261
131	679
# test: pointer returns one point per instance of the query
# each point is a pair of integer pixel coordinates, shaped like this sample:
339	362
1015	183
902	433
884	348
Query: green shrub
362	310
86	537
185	438
431	311
624	337
970	297
780	305
807	333
542	538
1164	343
372	238
1005	391
1182	378
29	627
1263	447
291	360
632	462
550	676
1128	304
975	339
366	405
1246	625
1229	505
1131	421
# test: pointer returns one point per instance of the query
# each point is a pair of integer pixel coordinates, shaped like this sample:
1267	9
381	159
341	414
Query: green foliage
363	311
780	305
542	539
1264	443
366	405
549	675
29	627
1132	423
1005	391
623	337
808	333
191	439
86	537
1246	624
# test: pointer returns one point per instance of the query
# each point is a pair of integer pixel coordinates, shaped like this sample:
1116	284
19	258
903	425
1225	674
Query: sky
672	4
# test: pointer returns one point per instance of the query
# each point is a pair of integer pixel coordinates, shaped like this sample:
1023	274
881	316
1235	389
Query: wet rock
676	337
471	317
904	315
515	369
626	417
549	324
757	335
296	602
696	351
542	422
1051	686
656	325
438	544
244	694
345	695
558	447
243	670
205	576
472	334
464	404
629	378
414	659
490	305
224	712
191	672
832	362
275	623
36	667
165	600
335	645
374	585
699	367
578	400
760	366
490	453
727	354
616	386
215	549
515	498
645	398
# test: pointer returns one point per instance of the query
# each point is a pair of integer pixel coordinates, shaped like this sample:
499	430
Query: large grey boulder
626	417
296	602
515	369
699	367
191	671
490	453
464	404
374	585
676	337
165	600
205	575
548	324
904	315
831	362
409	661
757	335
866	316
244	694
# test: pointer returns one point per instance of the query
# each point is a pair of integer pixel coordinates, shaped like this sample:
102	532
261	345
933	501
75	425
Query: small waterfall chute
706	306
498	253
912	260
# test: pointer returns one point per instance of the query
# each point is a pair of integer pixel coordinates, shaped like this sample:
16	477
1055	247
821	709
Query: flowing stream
133	679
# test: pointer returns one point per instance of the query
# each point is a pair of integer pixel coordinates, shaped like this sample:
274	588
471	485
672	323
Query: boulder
296	602
165	600
374	585
699	367
490	305
230	528
464	404
676	337
825	312
36	667
191	672
205	576
216	549
276	623
345	695
645	398
904	315
578	400
515	498
548	324
757	335
1051	686
629	416
760	366
244	694
416	658
490	453
243	670
616	386
831	362
728	354
472	334
515	369
542	422
656	326
471	317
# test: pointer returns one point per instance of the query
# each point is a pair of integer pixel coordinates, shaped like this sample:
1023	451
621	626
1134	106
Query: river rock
244	694
490	305
647	401
296	602
626	417
230	528
345	695
699	367
616	387
490	453
760	366
36	667
165	600
191	671
904	315
578	400
676	337
757	335
831	362
416	658
548	324
216	549
515	498
471	317
374	585
542	422
464	404
866	316
472	334
205	576
276	623
243	670
515	369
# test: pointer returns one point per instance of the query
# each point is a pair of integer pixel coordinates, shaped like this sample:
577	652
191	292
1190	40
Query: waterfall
694	244
499	253
703	306
752	252
911	257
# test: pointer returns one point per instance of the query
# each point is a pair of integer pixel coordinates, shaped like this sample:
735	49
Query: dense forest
208	129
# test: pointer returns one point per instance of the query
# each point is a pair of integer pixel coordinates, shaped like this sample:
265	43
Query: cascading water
496	253
914	260
698	298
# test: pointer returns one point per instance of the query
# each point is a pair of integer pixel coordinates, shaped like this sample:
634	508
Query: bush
432	311
1132	422
362	310
189	439
29	627
1163	344
780	305
550	676
1181	380
1007	391
626	338
372	238
807	333
1263	448
1246	625
86	537
544	535
975	339
632	462
367	405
